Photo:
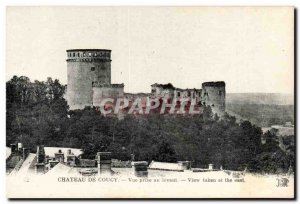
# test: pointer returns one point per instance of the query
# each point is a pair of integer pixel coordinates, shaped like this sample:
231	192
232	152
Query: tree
37	114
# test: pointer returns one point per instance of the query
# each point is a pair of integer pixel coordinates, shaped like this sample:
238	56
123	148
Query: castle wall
113	91
159	90
89	82
84	68
168	93
188	93
214	94
162	92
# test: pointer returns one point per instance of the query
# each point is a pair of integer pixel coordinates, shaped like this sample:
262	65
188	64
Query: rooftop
50	151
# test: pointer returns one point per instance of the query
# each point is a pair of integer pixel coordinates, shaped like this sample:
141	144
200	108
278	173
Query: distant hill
260	98
262	109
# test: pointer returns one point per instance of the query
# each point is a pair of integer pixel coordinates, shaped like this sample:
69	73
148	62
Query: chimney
140	168
69	151
25	153
13	148
185	165
40	163
104	162
59	156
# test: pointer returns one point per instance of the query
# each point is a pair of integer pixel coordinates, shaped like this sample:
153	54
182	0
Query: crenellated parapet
88	55
86	66
214	84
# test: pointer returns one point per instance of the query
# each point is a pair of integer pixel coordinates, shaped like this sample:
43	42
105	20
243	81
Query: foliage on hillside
263	115
37	114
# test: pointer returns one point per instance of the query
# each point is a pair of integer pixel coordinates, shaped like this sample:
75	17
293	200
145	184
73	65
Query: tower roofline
214	83
75	50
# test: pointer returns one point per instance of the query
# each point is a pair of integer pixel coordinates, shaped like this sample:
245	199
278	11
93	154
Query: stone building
89	77
89	81
168	90
101	91
212	94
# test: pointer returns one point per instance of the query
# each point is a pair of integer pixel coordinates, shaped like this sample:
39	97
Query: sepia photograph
143	102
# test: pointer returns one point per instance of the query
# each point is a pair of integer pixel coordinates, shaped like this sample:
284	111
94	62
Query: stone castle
89	81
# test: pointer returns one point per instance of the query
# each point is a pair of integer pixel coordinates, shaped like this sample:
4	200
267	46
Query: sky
250	48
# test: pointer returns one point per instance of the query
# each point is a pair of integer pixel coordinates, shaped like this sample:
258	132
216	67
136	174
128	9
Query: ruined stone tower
213	94
86	67
89	82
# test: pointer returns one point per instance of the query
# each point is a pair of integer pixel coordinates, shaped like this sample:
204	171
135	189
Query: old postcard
150	102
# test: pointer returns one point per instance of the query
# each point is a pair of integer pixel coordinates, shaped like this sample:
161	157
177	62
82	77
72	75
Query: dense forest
37	114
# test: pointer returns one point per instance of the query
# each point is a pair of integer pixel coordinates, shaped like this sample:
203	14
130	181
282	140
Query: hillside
260	98
262	109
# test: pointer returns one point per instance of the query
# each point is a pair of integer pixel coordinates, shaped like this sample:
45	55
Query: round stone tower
214	94
86	67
